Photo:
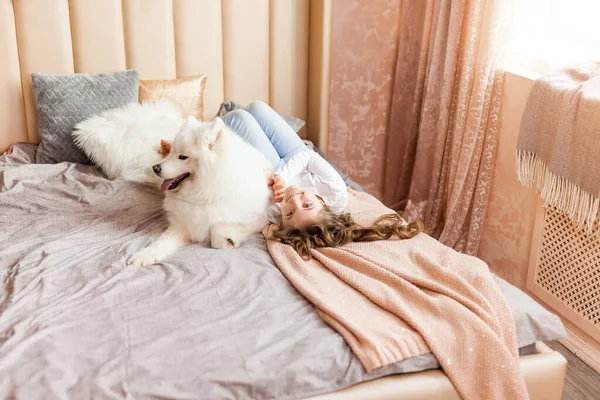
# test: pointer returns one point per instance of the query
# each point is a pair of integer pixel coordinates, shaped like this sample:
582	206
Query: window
549	34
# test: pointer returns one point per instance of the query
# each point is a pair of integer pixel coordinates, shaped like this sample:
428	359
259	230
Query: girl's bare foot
8	151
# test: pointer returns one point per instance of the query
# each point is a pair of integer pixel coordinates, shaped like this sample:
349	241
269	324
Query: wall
363	59
506	238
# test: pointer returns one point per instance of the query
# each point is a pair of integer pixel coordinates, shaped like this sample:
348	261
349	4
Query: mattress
77	322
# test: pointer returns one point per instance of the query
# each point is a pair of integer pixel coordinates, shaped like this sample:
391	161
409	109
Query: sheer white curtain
549	34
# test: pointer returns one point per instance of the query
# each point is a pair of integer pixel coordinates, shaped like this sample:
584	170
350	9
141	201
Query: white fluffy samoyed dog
215	189
124	141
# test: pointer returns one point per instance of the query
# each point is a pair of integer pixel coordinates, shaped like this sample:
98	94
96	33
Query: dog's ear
216	128
165	148
217	125
192	122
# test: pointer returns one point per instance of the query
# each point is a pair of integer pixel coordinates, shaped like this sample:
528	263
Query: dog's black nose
156	168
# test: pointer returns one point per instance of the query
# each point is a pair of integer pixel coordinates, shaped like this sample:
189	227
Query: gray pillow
63	100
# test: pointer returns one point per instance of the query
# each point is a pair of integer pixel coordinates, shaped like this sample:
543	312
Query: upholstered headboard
250	50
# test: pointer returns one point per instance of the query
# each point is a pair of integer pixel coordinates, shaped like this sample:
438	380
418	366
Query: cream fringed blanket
558	151
396	299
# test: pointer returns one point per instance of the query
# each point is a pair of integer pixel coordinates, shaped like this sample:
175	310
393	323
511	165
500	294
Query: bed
76	322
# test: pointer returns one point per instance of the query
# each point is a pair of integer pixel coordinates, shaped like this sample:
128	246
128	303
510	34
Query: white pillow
125	142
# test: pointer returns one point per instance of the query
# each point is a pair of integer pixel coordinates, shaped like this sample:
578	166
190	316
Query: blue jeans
264	129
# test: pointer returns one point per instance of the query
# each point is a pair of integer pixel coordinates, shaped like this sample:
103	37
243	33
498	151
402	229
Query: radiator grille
569	265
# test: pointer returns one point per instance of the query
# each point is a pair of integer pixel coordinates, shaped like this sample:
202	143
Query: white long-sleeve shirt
308	170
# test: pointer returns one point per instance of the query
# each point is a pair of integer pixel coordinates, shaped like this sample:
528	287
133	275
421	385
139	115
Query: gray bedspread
76	322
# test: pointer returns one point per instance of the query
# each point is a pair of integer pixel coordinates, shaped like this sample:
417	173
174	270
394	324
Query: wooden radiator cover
564	269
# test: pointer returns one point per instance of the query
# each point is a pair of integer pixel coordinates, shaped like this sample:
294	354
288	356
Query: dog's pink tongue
165	185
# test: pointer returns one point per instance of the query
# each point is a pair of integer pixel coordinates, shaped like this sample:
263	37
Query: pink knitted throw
396	299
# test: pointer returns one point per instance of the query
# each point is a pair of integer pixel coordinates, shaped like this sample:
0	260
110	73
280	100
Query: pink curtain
444	115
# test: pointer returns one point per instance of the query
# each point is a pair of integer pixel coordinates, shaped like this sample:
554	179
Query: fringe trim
580	206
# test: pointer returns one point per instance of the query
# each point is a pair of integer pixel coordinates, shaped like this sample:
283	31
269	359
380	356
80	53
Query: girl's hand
278	188
269	176
267	230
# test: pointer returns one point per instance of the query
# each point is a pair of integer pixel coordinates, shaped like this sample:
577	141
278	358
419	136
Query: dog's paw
222	242
223	236
143	258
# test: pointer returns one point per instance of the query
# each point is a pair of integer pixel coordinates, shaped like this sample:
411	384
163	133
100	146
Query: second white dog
124	142
215	190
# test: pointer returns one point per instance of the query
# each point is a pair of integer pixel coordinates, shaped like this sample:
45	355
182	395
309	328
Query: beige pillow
186	92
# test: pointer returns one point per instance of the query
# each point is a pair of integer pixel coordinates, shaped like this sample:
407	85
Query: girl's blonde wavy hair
337	229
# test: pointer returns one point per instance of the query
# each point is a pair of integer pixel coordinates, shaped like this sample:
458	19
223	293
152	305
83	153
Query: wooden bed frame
271	56
544	374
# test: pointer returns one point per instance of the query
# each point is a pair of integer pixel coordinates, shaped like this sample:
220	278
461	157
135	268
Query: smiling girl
309	195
